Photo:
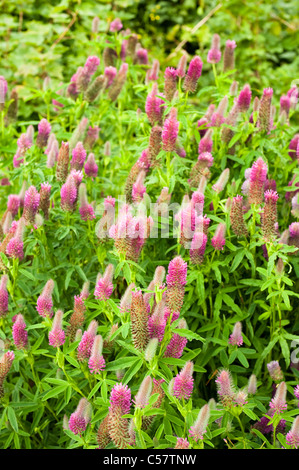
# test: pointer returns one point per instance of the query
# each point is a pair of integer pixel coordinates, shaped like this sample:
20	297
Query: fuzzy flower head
96	362
44	301
120	397
86	210
236	337
275	371
170	131
115	25
214	54
292	436
81	417
177	343
19	333
3	295
193	74
69	193
278	403
15	246
86	342
78	157
104	286
244	98
31	204
218	241
257	179
199	428
44	130
154	106
57	335
225	387
144	392
183	382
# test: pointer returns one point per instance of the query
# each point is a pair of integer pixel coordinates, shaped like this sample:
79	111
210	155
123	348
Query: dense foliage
149	225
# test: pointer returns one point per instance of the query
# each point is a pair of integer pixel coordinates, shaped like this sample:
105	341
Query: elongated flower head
275	371
86	342
44	130
278	403
244	98
269	217
104	286
257	179
264	112
3	295
251	388
170	84
229	55
225	387
139	321
44	203
199	428
151	349
214	54
154	106
57	335
96	362
69	194
44	301
78	157
198	247
13	204
181	69
218	241
139	189
86	210
15	246
177	343
157	322
142	56
5	364
144	392
31	204
193	74
118	82
206	143
62	167
236	337
120	397
222	181
170	131
19	333
237	217
80	418
292	436
183	382
177	272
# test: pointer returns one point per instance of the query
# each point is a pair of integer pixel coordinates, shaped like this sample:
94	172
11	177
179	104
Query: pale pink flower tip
116	25
80	418
96	361
278	403
292	436
236	337
199	429
183	382
104	286
218	241
57	335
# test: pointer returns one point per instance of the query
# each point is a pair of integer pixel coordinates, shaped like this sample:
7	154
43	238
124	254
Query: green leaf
12	418
132	371
55	391
190	335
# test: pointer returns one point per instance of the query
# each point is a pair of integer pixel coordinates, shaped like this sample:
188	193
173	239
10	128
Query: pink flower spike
31	204
86	342
69	194
144	392
86	210
199	428
80	418
44	130
170	131
183	382
236	337
44	301
257	179
278	403
292	436
57	335
218	241
3	296
244	99
14	248
19	333
104	286
193	74
115	25
96	362
214	54
13	204
78	157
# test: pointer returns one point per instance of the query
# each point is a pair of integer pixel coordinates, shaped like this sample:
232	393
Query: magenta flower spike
62	167
96	362
292	436
3	91
115	25
237	217
176	345
278	403
142	56
31	204
157	322
199	428
264	112
217	118
244	99
92	136
86	342
44	302
44	130
144	392
170	131
19	333
257	179
198	247
86	210
104	286
118	82
139	189
218	241
14	248
139	321
176	280
81	417
3	295
154	106
229	55
153	73
170	83
269	216
13	204
154	144
5	364
183	382
236	338
110	73
120	404
69	193
206	143
296	392
214	54
193	74
225	387
78	157
57	335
